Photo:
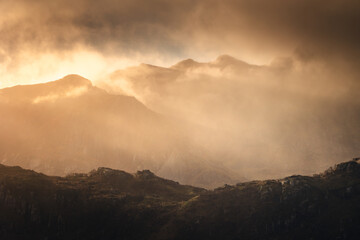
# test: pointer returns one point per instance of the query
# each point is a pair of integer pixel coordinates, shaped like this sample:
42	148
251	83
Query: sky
45	40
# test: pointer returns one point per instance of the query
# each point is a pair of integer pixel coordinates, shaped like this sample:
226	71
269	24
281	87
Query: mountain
112	204
187	64
71	85
221	62
69	125
299	117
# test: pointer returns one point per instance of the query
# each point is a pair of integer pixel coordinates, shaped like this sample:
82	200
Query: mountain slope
112	204
288	111
69	125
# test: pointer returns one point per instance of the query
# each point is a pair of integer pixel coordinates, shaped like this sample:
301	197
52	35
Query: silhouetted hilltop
113	204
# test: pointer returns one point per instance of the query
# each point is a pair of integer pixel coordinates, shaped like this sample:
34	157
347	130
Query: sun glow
48	67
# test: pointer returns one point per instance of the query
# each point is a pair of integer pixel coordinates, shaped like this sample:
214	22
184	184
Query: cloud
163	31
307	49
78	91
262	121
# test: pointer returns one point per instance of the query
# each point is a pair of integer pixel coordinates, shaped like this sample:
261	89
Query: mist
179	119
265	121
282	100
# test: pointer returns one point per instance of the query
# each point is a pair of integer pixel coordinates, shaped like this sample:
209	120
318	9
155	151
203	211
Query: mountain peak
227	60
73	80
70	85
225	57
185	64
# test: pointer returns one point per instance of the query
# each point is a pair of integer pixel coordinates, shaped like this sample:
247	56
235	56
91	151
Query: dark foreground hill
112	204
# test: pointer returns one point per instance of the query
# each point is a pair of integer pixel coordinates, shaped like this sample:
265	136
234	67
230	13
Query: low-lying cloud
264	121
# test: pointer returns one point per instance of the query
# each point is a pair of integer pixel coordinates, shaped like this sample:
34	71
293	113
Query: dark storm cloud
309	28
316	26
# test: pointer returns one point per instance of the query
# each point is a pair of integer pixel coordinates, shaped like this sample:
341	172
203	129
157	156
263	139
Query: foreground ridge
113	204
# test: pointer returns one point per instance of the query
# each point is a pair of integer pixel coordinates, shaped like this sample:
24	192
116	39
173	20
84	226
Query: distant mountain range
198	123
69	125
264	121
112	204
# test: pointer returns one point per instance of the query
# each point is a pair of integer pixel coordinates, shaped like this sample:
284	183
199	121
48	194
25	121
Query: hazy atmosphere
202	92
179	119
43	41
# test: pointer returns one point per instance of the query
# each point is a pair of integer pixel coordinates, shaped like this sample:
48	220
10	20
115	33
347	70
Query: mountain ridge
244	111
113	204
70	125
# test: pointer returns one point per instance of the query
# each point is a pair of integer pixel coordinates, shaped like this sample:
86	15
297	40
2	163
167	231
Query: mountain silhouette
299	119
113	204
69	125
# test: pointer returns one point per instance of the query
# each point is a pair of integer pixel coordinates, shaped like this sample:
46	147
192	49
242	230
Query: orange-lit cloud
41	39
300	72
262	120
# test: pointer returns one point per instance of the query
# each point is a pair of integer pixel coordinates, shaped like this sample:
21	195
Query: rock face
113	204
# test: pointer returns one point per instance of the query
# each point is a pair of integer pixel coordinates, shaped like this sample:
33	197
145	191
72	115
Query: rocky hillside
112	204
